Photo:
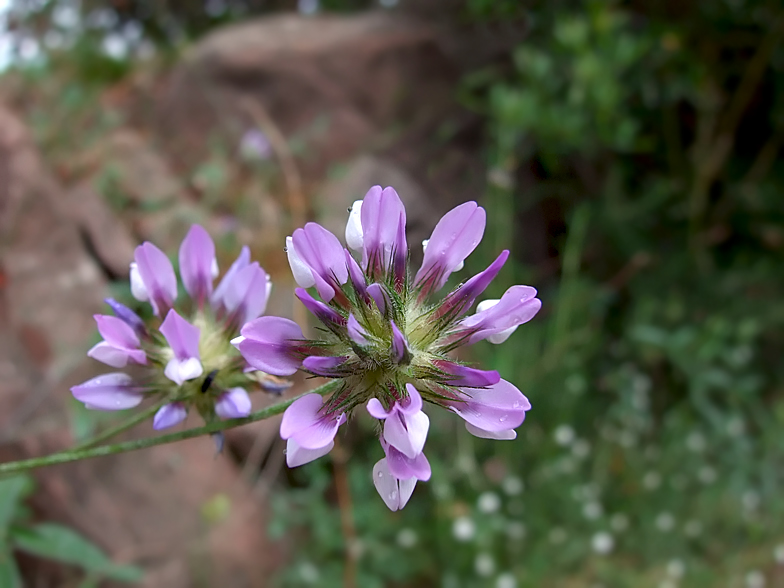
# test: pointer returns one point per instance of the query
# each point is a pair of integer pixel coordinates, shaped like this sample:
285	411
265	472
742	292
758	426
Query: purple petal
108	392
321	311
323	366
379	295
518	305
402	467
116	332
400	352
157	275
297	456
463	297
197	260
356	332
247	293
266	344
400	253
496	408
503	435
169	415
356	275
233	404
302	414
413	404
407	433
393	492
116	356
242	261
466	376
124	313
382	215
181	370
377	410
182	336
454	238
321	433
321	251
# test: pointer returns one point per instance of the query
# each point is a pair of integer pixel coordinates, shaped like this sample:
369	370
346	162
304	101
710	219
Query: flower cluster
387	340
188	362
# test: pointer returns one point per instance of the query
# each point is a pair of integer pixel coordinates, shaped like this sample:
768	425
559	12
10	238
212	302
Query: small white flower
564	435
778	553
755	579
592	510
676	568
488	502
665	522
602	543
484	565
308	572
506	580
463	529
512	485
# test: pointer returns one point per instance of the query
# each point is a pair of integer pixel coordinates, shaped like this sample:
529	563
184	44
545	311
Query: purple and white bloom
308	430
183	357
388	343
120	345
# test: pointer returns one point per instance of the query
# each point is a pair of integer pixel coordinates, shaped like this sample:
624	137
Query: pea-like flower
186	359
388	339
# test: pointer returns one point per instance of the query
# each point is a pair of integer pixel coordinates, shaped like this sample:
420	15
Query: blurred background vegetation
631	161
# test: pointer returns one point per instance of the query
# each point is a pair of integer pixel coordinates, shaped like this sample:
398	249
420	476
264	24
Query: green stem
78	454
123	426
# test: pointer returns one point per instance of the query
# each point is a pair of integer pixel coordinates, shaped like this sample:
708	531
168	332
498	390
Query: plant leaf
12	490
65	545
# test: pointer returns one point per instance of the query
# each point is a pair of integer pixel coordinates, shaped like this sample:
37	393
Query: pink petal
297	456
266	344
197	259
301	414
157	274
377	410
407	433
116	332
113	391
233	404
169	415
182	336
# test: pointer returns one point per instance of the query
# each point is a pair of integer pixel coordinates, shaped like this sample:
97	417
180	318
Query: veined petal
382	213
407	433
233	404
197	261
242	261
402	467
354	226
182	336
301	414
320	433
454	238
502	435
303	275
116	332
297	456
169	415
181	370
266	344
113	391
518	305
395	493
157	275
321	251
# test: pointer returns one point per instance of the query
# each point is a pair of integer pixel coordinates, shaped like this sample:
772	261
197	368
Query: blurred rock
329	83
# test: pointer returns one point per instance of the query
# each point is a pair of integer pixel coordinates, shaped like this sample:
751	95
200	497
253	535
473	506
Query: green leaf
65	545
9	574
12	491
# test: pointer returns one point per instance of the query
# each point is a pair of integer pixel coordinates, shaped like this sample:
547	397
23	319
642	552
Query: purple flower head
198	265
309	431
120	344
270	344
187	360
456	235
390	341
115	391
317	259
153	279
130	318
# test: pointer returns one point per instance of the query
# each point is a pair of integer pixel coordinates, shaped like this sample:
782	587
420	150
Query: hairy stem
78	454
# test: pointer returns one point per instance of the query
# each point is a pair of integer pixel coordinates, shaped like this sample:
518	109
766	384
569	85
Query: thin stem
123	426
78	454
